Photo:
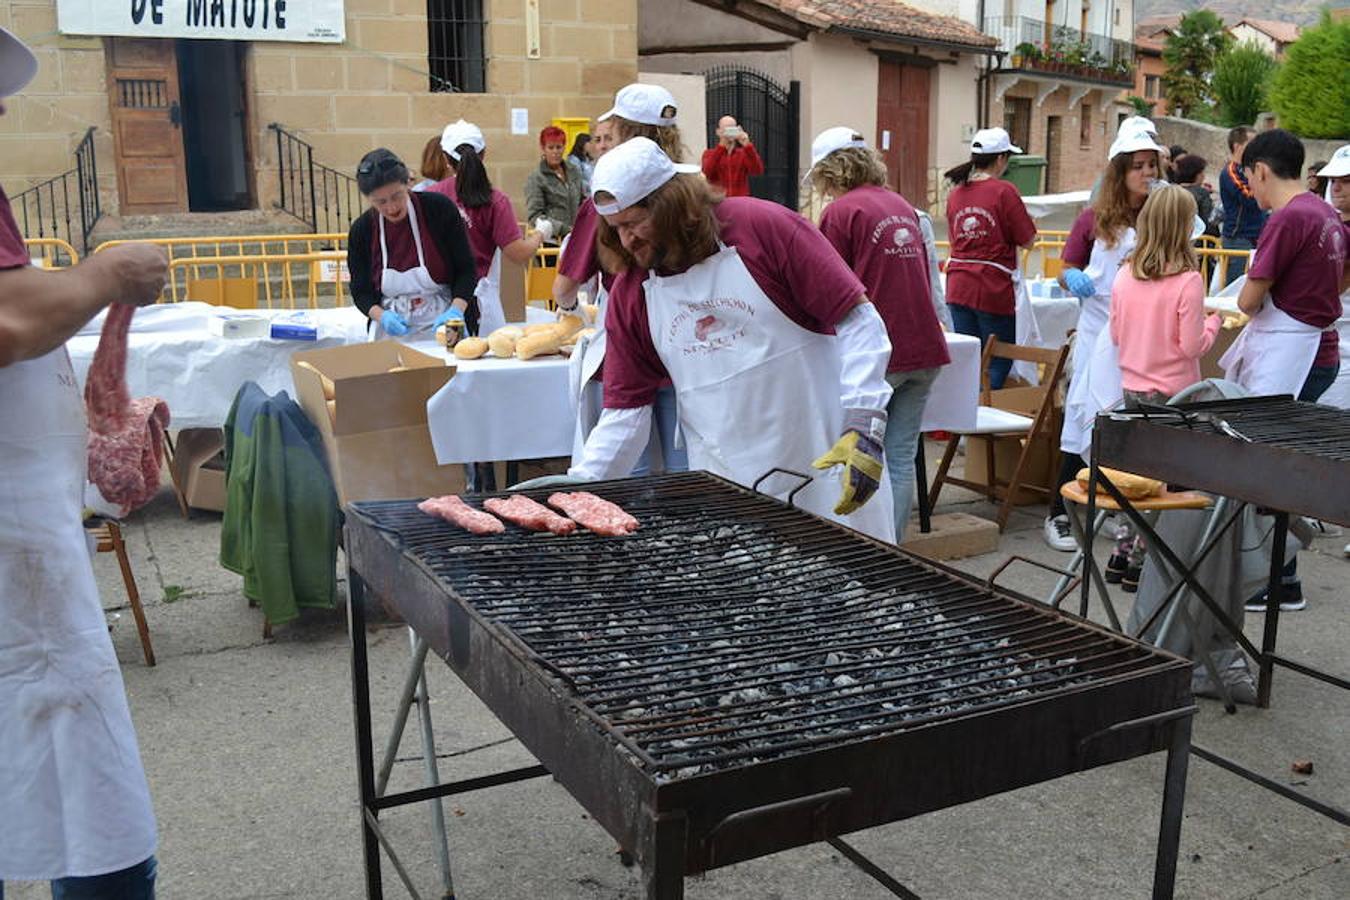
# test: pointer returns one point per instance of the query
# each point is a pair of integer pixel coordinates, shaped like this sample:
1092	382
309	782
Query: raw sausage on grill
455	511
595	513
529	514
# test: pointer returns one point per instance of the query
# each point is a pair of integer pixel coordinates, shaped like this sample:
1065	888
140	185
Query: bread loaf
329	388
541	327
539	344
502	342
570	325
471	348
1134	487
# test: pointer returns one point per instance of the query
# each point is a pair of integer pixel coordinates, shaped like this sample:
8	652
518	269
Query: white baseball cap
1137	123
644	104
840	137
630	172
992	140
1339	165
18	65
457	134
1133	141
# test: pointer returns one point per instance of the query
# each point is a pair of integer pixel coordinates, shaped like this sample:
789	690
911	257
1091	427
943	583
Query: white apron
588	393
412	293
489	294
73	795
1028	334
1338	394
1272	354
755	389
1090	355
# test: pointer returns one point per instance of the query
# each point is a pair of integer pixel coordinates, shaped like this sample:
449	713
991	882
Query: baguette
539	344
1134	487
570	325
540	327
329	388
471	348
502	342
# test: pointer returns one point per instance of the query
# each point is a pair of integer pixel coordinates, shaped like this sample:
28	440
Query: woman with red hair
554	190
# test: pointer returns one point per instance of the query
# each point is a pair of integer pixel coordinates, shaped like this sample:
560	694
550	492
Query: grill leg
365	751
1174	799
663	871
1274	594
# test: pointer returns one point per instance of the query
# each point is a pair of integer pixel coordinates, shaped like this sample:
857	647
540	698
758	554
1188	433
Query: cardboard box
1042	464
238	325
376	435
199	467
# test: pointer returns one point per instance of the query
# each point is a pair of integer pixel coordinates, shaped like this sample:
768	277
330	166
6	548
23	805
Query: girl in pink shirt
1158	317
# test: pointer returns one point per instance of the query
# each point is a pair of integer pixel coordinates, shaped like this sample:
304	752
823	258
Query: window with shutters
1017	121
456	52
1085	127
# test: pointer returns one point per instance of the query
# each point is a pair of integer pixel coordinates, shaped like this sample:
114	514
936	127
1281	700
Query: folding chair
108	539
1021	412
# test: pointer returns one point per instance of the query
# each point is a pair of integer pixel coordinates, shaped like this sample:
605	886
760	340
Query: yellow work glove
859	452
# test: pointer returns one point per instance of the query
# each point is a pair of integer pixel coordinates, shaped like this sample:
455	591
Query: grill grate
1322	431
731	630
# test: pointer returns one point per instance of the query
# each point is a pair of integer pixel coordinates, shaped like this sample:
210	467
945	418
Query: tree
1311	93
1242	77
1141	106
1189	54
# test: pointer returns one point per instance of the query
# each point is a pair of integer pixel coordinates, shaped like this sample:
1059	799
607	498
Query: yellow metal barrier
235	279
539	276
241	245
50	252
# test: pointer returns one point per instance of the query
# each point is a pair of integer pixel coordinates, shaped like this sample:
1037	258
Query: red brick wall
1079	162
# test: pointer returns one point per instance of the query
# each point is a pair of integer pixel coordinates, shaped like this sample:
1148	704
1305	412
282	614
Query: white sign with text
314	21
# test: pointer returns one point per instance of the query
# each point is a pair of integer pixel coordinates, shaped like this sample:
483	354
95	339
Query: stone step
186	225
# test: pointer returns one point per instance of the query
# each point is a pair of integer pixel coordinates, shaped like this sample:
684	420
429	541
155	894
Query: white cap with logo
1132	141
18	65
1137	123
840	137
630	172
645	104
457	134
1339	165
993	140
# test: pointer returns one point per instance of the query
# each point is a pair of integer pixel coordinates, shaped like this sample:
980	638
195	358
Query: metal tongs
1188	418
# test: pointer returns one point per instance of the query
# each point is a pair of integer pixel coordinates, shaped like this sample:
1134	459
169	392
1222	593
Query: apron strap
417	235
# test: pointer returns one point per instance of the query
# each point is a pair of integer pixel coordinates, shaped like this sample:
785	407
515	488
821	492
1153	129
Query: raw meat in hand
455	511
595	513
529	514
126	437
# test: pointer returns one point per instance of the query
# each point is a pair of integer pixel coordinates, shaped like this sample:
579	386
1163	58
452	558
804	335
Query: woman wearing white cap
879	236
986	224
488	217
774	352
1101	238
74	804
640	110
1337	175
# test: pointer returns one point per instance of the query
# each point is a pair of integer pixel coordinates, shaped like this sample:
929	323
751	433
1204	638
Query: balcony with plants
1036	47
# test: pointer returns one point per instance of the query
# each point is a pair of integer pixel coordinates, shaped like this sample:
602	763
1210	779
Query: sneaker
1293	600
1059	535
1130	582
1116	567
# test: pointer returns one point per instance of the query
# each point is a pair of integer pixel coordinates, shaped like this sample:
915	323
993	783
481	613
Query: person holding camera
730	165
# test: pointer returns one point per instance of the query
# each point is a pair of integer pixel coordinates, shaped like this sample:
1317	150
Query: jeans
1234	264
977	323
134	883
666	422
903	416
1319	379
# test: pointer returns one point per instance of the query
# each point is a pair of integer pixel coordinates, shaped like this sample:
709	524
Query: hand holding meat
859	451
140	269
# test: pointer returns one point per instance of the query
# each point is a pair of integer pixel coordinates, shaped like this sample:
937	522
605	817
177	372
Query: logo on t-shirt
975	223
906	239
1332	239
709	325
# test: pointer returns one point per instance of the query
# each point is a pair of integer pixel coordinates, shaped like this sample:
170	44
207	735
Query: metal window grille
456	52
141	93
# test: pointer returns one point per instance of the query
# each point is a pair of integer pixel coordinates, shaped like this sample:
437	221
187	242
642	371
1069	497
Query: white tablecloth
955	396
171	354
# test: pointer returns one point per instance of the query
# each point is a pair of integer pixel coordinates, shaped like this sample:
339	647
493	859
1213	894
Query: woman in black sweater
408	255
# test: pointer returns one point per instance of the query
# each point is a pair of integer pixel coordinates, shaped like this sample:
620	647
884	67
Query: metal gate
771	114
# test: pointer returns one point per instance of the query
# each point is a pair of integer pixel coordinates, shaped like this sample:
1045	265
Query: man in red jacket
730	164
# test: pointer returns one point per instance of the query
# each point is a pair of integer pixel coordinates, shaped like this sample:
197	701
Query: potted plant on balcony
1025	53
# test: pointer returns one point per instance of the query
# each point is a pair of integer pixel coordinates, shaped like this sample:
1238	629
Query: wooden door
1054	128
902	127
146	123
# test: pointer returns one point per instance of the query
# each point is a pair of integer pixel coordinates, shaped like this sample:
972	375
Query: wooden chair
1021	412
108	539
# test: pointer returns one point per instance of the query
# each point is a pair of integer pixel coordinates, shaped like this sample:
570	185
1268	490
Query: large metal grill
738	677
1271	451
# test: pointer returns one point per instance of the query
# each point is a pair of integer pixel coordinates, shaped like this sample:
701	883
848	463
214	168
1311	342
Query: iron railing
320	196
1059	49
65	206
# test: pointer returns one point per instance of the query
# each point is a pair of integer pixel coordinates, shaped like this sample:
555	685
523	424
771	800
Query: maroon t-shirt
1082	235
489	227
877	233
787	257
580	260
13	252
986	219
398	237
1302	251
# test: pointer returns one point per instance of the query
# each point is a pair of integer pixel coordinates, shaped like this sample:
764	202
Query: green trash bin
1026	173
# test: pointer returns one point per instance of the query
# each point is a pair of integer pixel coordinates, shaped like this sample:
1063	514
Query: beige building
182	123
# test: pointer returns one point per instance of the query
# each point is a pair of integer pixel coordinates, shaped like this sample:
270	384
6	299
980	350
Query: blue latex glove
1079	284
393	324
547	481
451	315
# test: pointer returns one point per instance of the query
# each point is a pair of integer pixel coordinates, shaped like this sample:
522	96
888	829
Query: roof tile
888	17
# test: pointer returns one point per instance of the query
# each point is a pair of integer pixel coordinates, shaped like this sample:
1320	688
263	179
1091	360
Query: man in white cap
1337	175
74	804
770	342
734	161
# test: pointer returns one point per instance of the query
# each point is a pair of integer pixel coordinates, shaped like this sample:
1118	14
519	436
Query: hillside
1301	12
